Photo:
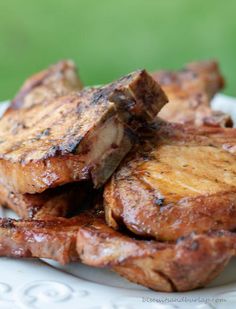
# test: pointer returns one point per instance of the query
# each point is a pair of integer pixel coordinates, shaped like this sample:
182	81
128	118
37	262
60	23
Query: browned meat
190	263
59	80
83	135
54	239
57	202
190	92
179	181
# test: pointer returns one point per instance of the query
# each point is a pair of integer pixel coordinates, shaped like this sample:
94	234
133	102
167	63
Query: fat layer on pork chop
179	180
83	135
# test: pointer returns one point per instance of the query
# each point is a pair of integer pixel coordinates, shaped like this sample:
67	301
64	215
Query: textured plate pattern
46	284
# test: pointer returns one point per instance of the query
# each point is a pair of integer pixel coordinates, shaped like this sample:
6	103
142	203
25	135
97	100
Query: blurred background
110	38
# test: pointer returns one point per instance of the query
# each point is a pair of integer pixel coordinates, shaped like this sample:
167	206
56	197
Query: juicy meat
79	136
190	92
54	238
58	80
189	263
178	181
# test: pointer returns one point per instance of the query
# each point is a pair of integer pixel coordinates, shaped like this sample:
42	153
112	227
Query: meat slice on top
83	135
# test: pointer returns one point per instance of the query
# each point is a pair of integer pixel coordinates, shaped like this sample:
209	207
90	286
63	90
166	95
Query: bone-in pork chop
180	180
83	135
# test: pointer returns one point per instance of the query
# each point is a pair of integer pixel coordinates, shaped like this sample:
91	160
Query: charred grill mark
39	136
71	146
126	77
54	151
101	95
50	112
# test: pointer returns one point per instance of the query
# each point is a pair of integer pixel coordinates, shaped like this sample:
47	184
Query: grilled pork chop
190	92
180	180
83	135
189	263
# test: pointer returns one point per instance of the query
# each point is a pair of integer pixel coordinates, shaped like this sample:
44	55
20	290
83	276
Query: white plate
46	284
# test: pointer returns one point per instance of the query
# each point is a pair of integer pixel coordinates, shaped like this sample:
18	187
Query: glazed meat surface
189	263
83	135
190	92
56	202
180	180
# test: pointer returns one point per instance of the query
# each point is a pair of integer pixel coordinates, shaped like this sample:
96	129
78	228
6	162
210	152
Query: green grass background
109	38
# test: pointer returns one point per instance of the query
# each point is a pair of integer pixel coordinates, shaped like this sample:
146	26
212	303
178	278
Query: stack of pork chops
97	177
